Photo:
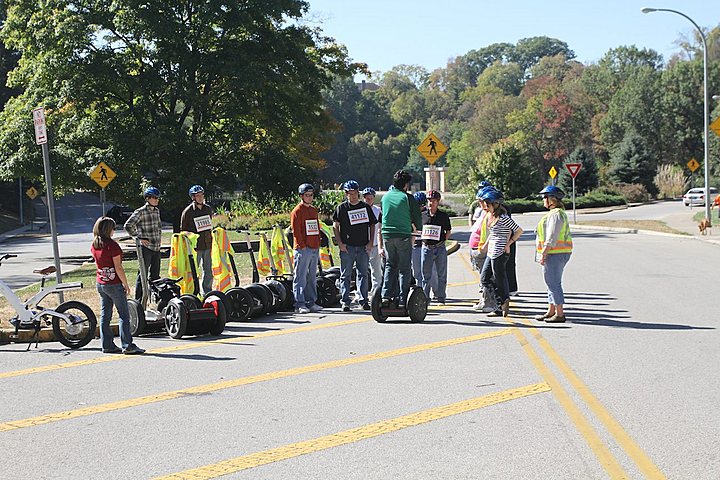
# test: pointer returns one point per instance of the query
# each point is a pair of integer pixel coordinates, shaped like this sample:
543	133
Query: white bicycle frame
25	311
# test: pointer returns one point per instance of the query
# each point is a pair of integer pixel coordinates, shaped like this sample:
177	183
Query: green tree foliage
173	92
505	165
373	161
631	162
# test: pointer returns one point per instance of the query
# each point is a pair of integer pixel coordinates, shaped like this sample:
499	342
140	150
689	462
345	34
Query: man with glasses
144	224
197	218
305	226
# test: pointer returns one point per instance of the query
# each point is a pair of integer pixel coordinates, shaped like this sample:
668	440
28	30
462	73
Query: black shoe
112	350
366	306
133	350
386	302
346	308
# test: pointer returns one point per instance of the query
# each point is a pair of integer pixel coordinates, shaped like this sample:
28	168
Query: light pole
705	99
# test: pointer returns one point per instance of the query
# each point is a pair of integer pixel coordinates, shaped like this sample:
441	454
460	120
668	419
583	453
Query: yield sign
573	168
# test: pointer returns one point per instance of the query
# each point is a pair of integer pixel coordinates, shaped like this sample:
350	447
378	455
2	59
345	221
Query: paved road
626	389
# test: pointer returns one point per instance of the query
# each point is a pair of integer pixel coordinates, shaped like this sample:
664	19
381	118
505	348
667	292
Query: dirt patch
652	225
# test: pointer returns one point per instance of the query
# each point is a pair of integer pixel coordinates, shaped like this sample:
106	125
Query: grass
652	225
701	214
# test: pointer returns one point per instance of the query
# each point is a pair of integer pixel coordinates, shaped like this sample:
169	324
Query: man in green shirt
400	218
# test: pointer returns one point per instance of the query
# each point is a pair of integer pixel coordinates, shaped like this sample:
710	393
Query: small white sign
431	232
311	227
40	127
358	216
203	223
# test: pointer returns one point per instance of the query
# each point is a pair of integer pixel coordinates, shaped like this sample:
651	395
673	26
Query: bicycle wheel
81	330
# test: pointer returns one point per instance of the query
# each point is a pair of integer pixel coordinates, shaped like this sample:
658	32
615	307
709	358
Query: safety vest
221	268
484	216
263	260
564	243
182	245
326	252
277	250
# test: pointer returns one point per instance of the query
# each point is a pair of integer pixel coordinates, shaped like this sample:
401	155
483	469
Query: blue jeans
205	257
434	258
494	276
418	274
113	295
305	268
398	253
355	256
552	274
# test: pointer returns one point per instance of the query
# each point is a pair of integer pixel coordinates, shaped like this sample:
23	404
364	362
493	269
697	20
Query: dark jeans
152	262
398	253
495	268
510	269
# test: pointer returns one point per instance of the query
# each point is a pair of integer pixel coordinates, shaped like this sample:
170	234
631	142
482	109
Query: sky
386	33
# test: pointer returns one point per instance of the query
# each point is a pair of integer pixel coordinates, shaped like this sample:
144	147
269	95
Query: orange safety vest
181	245
221	251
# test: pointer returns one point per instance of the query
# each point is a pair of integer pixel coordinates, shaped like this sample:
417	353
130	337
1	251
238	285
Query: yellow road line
354	435
606	458
633	450
179	347
462	284
213	387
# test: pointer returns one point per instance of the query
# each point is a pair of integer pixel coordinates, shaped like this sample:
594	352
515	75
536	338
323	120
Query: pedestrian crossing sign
432	148
31	193
693	165
103	175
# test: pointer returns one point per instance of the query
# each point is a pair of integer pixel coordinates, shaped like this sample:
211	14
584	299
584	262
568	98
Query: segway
416	305
262	295
279	285
239	300
144	319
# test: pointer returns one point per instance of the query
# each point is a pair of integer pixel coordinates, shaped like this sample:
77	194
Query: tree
670	181
529	51
631	163
177	92
505	165
373	161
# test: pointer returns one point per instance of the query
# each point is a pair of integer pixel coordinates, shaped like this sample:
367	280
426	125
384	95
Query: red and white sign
573	168
40	127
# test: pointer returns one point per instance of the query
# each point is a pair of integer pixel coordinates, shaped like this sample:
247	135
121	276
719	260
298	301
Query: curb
44	335
642	232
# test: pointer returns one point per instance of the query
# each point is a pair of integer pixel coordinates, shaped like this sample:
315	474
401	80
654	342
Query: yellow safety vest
326	252
564	243
277	250
181	246
263	261
221	252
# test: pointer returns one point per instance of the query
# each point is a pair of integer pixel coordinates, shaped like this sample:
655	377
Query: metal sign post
20	196
41	139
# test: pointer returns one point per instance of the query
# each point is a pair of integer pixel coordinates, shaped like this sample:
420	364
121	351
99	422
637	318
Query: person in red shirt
716	203
305	226
112	285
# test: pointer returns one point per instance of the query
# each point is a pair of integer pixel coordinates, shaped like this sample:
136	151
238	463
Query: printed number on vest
311	227
203	223
358	216
431	232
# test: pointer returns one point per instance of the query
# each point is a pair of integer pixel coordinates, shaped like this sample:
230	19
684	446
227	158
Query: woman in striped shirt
502	232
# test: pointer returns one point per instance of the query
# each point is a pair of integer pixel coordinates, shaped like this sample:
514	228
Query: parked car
696	196
120	213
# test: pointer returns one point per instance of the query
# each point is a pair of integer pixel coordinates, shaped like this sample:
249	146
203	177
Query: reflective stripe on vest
564	243
325	258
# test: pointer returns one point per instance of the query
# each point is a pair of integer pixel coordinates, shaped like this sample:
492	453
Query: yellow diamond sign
102	174
693	164
431	148
31	193
553	172
715	126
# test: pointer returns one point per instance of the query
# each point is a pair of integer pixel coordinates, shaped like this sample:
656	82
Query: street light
705	99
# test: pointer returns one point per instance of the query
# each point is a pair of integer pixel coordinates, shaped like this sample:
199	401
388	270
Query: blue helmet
491	195
552	191
151	192
195	189
368	191
420	198
305	187
483	184
351	185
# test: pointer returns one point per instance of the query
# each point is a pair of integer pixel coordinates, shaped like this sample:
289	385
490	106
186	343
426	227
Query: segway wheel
327	292
240	302
289	303
263	295
376	307
176	318
217	303
137	318
191	301
417	304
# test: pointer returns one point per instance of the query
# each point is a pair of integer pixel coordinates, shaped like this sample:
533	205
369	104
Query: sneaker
366	306
478	306
315	308
488	309
386	302
114	349
133	350
556	319
513	293
541	318
496	313
346	308
302	310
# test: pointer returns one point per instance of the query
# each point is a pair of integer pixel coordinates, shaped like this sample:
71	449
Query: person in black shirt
354	226
436	230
